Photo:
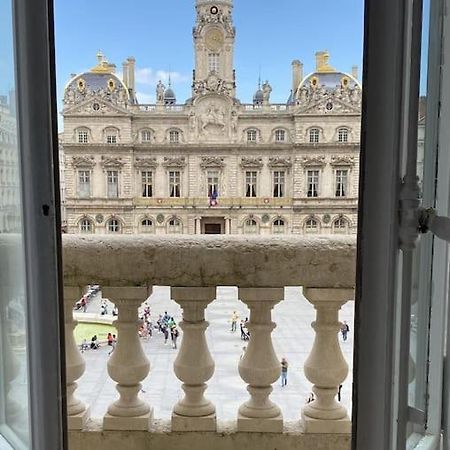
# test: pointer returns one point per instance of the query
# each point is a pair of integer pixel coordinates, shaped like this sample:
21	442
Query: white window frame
250	226
174	183
343	135
146	136
113	226
111	175
213	62
147	184
313	176
82	136
311	225
252	136
251	183
280	135
86	226
81	174
212	181
341	179
279	183
147	225
174	136
174	226
278	228
314	135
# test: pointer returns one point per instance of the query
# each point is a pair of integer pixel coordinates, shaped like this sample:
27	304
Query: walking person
339	394
345	330
284	371
113	344
234	319
174	334
166	334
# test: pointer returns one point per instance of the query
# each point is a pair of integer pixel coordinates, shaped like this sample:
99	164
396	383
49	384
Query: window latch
438	225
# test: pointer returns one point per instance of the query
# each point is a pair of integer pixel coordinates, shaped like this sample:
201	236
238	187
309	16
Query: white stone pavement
293	339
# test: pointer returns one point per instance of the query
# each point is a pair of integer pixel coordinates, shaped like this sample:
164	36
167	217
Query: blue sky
159	35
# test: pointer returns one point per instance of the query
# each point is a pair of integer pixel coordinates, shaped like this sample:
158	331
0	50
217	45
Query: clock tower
214	37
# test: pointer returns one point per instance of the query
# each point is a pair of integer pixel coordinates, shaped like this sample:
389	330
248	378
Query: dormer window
146	136
314	135
174	137
83	137
343	135
280	135
252	135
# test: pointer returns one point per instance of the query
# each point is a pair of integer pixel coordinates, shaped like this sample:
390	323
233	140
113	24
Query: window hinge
409	212
416	416
438	225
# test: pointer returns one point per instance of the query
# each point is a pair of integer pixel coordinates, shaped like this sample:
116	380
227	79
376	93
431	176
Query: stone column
128	365
77	411
326	367
194	365
227	225
198	225
260	367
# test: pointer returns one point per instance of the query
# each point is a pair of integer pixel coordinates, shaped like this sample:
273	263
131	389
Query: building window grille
84	183
147	184
311	225
86	226
312	183
111	139
146	136
82	137
278	226
112	183
213	183
213	62
314	134
174	226
113	226
340	225
174	184
279	181
341	183
147	225
280	136
250	183
250	226
252	135
174	137
343	135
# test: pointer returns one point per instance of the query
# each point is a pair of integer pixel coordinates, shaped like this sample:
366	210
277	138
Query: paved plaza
293	339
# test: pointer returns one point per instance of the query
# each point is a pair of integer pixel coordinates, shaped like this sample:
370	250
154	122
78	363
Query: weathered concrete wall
255	261
96	439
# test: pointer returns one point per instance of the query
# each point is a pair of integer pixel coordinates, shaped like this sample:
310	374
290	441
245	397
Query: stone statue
267	89
192	121
215	117
160	88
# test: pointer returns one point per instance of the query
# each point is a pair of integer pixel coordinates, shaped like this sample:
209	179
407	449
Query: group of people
245	334
166	325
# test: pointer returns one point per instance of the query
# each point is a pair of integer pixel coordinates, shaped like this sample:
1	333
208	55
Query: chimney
125	73
322	60
131	67
355	72
297	74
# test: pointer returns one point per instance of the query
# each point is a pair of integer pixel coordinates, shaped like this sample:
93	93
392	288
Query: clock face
214	39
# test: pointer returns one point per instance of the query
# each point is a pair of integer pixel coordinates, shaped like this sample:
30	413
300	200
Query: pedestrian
113	344
339	393
174	335
84	304
243	352
284	371
243	333
344	330
84	345
109	338
234	319
94	344
166	334
310	398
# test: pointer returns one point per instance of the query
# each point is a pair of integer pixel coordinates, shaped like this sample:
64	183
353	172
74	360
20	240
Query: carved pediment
145	163
251	163
83	161
330	105
342	160
310	161
112	163
215	162
278	161
96	106
177	161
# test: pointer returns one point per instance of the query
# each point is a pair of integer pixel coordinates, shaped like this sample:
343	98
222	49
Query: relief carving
145	163
251	163
176	161
83	161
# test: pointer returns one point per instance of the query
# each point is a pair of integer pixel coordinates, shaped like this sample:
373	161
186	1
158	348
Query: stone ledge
193	261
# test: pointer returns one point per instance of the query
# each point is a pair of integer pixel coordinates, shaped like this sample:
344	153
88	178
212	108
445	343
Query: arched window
280	135
311	225
174	136
86	226
174	226
343	135
314	135
340	225
146	136
113	226
252	135
250	226
147	226
279	226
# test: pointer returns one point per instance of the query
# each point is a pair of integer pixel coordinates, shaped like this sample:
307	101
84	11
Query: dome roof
169	94
259	96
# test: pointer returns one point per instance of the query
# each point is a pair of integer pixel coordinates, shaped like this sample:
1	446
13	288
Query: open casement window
401	389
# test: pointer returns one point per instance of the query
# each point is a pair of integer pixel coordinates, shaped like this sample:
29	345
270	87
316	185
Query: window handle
438	225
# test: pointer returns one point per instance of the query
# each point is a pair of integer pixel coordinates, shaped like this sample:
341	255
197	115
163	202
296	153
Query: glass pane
14	423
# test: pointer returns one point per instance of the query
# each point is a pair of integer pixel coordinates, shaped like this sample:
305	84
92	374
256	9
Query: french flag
213	198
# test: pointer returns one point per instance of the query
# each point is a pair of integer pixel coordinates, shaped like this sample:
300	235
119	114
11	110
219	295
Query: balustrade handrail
209	261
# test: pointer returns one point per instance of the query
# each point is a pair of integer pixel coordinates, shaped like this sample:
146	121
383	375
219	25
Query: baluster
326	367
128	365
194	365
260	367
77	411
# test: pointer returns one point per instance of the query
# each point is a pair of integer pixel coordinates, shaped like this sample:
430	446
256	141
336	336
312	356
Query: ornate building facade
212	164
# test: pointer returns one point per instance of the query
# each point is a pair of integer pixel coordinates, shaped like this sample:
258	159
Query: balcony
193	266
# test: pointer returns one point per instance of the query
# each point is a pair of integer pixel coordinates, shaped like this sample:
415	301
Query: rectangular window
280	135
312	183
174	137
174	184
213	182
147	184
84	183
146	136
279	183
82	137
113	183
111	139
341	183
213	62
251	136
250	183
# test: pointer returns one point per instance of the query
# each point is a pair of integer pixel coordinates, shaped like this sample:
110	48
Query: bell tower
214	37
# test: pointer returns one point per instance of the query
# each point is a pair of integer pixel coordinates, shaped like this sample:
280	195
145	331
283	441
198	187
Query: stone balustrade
128	266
